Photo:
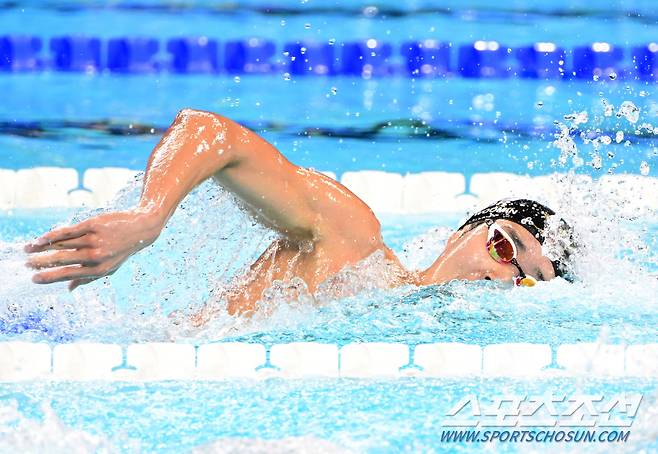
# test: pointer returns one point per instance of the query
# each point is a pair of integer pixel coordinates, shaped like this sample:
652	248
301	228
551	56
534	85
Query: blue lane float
76	53
541	61
304	58
429	58
483	59
597	60
252	56
133	55
194	55
366	58
20	53
645	61
371	57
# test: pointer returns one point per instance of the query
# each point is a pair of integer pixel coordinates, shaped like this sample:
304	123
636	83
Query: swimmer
323	225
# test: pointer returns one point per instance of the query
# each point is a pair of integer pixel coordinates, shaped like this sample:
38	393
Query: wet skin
323	225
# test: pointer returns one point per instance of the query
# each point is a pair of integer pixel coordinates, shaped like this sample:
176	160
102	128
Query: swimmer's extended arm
299	203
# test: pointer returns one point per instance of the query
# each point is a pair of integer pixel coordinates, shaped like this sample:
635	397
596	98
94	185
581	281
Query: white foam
633	193
642	360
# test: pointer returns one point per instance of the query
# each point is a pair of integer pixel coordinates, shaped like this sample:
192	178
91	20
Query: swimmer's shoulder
344	216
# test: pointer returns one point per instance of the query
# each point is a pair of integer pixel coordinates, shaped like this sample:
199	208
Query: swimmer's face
466	256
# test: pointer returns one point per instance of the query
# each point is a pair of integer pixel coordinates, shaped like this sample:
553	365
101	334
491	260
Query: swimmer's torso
314	263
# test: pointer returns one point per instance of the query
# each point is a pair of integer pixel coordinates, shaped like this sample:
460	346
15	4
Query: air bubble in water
644	168
236	79
540	104
334	90
612	76
307	26
608	109
606	140
286	76
332	41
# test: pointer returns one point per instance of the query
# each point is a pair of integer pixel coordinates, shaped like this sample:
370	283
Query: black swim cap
527	213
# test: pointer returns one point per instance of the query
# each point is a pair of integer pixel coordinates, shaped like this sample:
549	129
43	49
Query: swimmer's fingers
76	243
70	273
61	258
47	240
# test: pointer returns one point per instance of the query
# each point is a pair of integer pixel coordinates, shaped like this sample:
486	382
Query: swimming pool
105	369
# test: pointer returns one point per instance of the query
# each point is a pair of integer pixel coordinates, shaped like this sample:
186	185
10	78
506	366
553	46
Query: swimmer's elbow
201	118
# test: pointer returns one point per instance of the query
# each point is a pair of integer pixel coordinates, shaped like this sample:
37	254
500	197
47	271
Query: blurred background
399	86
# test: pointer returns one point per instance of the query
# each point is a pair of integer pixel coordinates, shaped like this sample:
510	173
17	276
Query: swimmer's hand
92	249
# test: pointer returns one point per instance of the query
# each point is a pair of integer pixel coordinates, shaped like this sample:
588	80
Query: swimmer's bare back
324	226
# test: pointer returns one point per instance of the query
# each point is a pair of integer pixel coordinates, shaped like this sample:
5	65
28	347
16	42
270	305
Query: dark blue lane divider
369	58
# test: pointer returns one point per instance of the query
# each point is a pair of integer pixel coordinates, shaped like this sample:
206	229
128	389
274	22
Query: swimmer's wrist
152	219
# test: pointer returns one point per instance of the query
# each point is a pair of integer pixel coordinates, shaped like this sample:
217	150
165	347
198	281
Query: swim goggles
502	249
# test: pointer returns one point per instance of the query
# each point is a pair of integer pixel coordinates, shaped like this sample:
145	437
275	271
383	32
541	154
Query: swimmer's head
526	222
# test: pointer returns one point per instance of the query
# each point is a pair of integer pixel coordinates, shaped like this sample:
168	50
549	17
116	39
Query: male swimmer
323	225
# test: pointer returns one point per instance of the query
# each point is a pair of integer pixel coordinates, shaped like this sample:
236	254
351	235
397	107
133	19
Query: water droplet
307	26
283	22
332	41
644	168
334	90
286	76
236	79
595	77
619	136
612	76
629	111
370	11
540	104
597	162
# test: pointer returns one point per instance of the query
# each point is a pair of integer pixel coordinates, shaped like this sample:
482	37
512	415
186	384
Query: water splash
19	433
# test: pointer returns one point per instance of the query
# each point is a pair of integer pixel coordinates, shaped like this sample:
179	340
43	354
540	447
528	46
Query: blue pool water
282	416
339	124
